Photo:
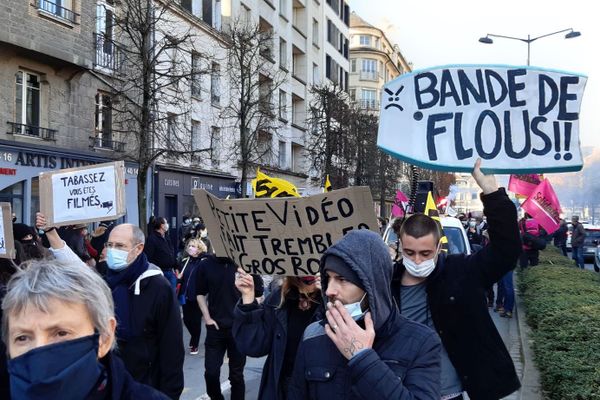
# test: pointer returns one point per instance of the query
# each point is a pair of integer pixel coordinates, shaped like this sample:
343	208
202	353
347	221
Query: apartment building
54	108
374	60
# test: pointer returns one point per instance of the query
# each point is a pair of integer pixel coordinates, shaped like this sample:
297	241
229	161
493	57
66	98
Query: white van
458	241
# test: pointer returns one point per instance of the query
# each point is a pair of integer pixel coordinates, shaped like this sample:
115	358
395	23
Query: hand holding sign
487	183
245	284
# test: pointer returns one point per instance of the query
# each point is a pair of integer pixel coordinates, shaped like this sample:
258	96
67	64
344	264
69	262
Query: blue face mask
67	370
355	309
116	259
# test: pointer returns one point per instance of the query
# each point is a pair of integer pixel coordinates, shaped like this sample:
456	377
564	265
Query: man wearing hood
447	293
149	329
364	349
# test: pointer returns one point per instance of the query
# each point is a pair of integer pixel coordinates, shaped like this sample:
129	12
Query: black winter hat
21	230
338	265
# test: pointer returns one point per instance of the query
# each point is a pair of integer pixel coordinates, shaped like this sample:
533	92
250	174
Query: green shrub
563	309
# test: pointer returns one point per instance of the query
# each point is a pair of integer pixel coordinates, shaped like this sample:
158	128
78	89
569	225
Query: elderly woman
59	327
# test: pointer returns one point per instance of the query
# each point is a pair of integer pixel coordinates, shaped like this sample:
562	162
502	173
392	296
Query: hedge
563	310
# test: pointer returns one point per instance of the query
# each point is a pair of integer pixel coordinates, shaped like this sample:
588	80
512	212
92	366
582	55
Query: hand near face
345	333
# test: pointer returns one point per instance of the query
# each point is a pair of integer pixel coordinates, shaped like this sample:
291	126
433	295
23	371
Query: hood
366	253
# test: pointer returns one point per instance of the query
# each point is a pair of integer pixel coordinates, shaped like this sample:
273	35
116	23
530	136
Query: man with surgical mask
149	328
364	349
447	293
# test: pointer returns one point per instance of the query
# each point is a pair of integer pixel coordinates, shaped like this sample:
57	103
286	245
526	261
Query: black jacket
122	386
404	362
155	355
159	251
456	298
261	330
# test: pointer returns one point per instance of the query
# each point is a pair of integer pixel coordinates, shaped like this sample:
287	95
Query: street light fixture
488	38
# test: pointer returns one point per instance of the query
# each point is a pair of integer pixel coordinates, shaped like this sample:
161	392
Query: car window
591	235
456	242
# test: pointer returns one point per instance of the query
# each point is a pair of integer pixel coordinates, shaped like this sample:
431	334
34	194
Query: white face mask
422	270
166	227
355	310
203	233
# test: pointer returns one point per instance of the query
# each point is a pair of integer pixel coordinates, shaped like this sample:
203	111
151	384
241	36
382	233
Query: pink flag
543	206
524	184
399	204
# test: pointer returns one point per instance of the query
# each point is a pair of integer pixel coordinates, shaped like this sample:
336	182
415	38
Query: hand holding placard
245	284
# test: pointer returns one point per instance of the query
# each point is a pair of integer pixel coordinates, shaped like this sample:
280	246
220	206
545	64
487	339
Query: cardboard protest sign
284	236
543	206
517	119
524	185
7	242
81	195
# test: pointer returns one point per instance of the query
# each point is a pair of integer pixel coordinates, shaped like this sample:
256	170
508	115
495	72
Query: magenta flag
399	204
542	204
524	184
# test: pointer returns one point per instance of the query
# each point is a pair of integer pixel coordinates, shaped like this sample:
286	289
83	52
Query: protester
217	297
159	250
364	348
187	272
58	321
100	236
203	235
183	232
7	269
28	238
275	327
560	237
473	234
530	255
446	292
149	331
577	238
74	237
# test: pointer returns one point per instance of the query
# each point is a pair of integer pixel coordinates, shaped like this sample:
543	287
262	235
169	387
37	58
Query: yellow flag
265	186
327	187
431	211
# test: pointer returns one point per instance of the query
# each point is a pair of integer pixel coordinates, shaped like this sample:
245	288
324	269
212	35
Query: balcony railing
368	104
31	131
101	143
57	10
109	54
369	75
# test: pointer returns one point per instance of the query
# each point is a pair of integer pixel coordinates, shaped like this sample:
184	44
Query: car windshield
591	235
456	243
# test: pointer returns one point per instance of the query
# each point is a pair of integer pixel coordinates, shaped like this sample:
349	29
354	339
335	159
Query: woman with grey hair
59	327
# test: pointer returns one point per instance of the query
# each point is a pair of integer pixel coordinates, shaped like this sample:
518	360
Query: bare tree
254	81
157	67
330	142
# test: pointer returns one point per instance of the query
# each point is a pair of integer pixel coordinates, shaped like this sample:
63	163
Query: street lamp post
572	34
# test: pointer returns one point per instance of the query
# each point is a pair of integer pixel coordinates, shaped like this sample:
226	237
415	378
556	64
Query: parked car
591	241
453	228
597	259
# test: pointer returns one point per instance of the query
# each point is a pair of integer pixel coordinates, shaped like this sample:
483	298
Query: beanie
339	266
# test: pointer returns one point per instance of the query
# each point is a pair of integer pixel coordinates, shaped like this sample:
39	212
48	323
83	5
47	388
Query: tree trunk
142	185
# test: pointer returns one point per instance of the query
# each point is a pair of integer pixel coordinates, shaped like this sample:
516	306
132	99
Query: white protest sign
81	195
284	236
517	119
7	243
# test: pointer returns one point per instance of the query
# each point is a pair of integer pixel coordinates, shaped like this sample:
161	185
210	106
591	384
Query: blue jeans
578	256
509	291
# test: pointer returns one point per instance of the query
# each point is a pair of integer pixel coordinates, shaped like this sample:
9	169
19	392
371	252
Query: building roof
356	21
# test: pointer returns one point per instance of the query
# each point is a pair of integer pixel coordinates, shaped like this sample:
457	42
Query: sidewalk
516	336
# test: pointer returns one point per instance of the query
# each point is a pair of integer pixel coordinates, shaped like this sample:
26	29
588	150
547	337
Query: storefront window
14	195
190	207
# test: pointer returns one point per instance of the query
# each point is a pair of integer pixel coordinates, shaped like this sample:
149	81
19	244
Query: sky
436	32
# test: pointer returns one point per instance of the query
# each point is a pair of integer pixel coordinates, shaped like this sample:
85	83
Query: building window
282	157
196	136
103	121
196	76
298	111
283	54
215	146
352	93
365	40
316	75
368	99
215	82
282	105
108	52
264	147
299	67
28	102
171	131
353	65
59	8
297	158
368	69
283	11
266	39
315	32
